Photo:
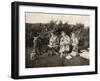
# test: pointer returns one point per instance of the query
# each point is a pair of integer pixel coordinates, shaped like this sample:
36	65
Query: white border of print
53	70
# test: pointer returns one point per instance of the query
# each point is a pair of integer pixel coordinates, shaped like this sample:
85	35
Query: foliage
43	29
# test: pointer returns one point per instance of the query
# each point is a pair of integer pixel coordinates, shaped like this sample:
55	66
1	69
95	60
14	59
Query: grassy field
53	61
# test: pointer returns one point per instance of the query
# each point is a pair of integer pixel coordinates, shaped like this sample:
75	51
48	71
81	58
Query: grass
53	60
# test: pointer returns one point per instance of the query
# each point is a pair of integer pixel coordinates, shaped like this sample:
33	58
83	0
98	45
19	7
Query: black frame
15	39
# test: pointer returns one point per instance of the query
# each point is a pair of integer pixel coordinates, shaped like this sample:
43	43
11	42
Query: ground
54	61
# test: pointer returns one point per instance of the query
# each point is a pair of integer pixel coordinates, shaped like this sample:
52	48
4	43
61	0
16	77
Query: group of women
63	44
57	44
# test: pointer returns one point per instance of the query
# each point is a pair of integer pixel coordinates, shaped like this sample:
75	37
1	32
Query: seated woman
54	42
74	44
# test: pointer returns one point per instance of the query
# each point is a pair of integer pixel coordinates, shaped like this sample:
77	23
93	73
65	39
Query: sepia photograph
51	40
56	40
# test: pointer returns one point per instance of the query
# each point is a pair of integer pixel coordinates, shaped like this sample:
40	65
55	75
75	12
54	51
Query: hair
74	34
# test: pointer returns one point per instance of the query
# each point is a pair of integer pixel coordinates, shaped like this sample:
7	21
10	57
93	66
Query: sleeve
67	41
76	40
61	41
50	41
57	41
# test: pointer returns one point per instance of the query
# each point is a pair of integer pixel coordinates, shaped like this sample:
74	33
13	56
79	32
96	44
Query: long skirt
64	48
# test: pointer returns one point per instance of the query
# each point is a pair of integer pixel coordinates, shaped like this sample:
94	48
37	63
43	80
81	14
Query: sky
46	17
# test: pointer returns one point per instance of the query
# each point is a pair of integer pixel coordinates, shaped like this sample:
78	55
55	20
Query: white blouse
64	40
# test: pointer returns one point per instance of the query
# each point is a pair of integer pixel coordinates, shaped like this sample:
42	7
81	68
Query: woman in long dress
54	43
64	44
74	44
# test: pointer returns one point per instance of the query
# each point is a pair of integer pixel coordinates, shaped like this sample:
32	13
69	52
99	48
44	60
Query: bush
33	30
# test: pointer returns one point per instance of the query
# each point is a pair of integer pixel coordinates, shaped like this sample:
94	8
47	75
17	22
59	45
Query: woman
38	45
64	45
54	43
74	44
